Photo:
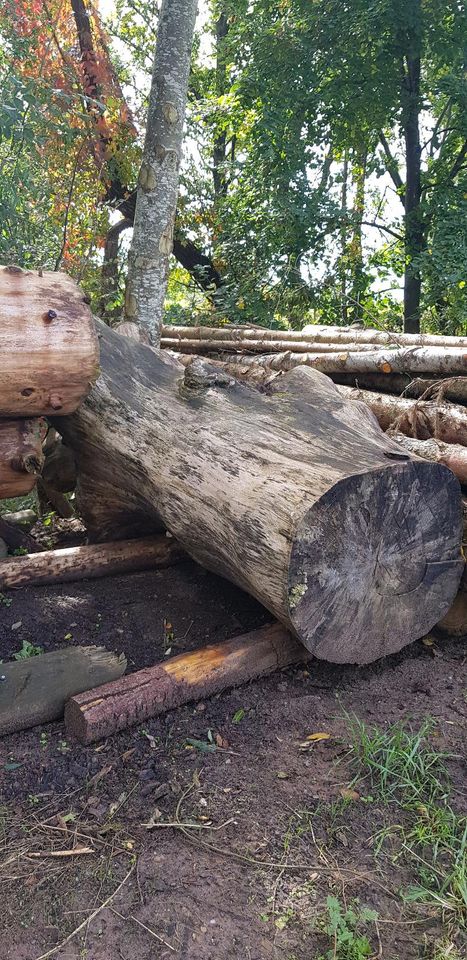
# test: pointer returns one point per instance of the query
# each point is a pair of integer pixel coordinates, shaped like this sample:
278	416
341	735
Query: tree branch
393	169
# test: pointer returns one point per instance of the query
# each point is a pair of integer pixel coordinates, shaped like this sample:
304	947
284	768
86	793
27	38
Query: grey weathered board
35	690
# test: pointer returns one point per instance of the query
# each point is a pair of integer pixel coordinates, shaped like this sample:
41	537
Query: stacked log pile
416	385
48	362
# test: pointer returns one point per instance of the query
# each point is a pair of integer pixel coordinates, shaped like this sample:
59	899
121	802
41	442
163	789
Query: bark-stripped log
414	418
189	676
89	561
21	456
452	455
281	494
442	362
48	344
35	690
315	334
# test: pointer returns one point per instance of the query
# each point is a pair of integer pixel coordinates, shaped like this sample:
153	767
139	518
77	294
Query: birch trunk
444	362
297	497
312	334
156	201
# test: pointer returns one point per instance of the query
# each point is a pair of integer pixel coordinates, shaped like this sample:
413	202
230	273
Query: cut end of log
367	570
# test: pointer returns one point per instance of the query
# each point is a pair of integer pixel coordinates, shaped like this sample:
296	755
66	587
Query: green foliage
27	651
346	928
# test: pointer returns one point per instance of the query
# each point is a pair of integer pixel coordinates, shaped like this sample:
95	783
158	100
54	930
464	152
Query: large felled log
21	455
297	497
89	561
48	344
35	690
312	334
189	676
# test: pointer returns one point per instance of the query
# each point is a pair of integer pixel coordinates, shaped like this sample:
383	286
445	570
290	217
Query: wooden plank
35	690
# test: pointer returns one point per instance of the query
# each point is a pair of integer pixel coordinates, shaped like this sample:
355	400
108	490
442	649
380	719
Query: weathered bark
21	455
16	539
311	334
189	676
268	491
89	561
420	419
452	455
156	200
35	690
48	344
442	362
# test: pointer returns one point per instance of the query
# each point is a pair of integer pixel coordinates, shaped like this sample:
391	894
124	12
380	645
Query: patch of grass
404	769
348	931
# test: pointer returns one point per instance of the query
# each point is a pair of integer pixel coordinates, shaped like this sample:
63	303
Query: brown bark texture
189	676
89	561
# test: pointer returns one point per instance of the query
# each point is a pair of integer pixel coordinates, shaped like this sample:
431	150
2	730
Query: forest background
324	177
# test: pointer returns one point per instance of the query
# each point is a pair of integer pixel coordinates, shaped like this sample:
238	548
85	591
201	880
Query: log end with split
376	562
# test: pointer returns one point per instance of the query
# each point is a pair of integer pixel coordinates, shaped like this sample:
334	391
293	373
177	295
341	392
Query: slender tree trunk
109	272
343	257
220	139
414	233
156	201
356	251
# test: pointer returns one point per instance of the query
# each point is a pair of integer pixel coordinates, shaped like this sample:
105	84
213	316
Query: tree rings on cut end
376	562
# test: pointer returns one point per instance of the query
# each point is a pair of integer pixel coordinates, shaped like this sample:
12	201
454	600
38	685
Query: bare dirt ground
251	831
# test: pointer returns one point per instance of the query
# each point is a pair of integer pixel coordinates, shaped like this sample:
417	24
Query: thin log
421	419
48	344
452	455
425	387
21	456
89	561
315	334
249	346
35	690
179	680
444	361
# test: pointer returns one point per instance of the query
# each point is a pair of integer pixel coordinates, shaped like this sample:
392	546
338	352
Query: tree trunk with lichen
295	495
148	261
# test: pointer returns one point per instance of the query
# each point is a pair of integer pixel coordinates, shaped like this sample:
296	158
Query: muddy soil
249	831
